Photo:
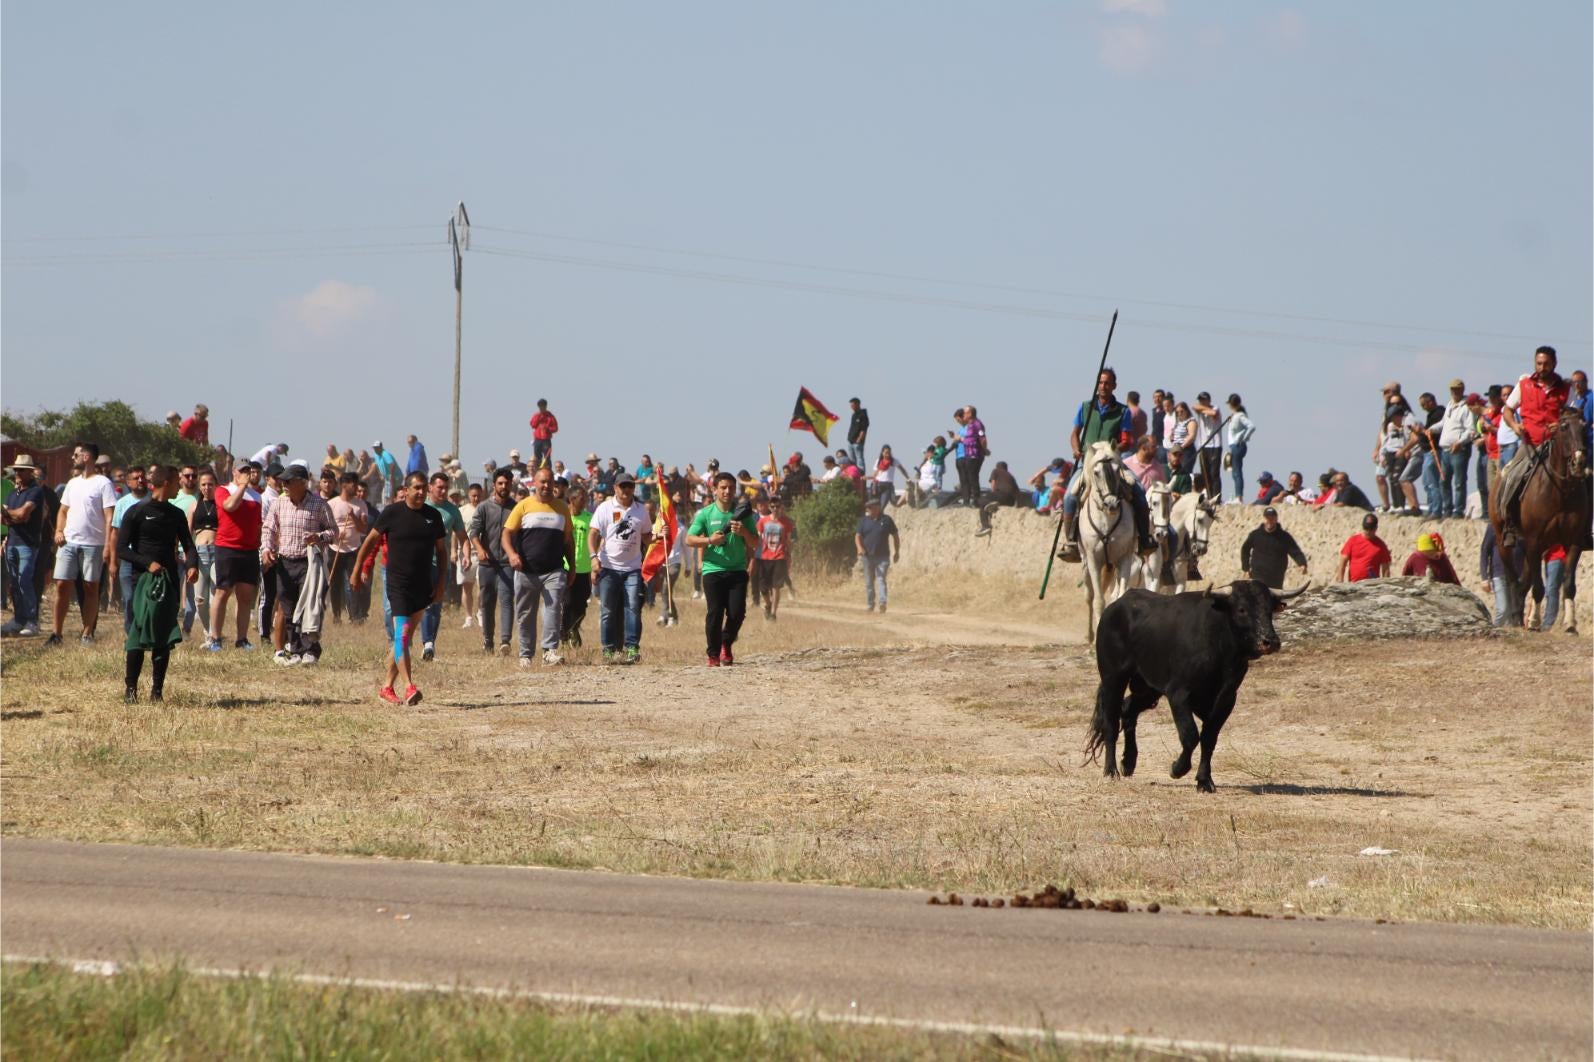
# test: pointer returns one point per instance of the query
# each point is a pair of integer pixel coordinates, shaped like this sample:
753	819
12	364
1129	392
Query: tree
113	426
826	522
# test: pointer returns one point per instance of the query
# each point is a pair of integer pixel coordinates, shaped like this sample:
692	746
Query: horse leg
1141	697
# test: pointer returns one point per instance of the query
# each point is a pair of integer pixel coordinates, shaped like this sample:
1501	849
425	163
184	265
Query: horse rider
1532	411
1103	420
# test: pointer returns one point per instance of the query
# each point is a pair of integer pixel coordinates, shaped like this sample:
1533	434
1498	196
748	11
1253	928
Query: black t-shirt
151	532
1435	415
28	531
412	536
876	534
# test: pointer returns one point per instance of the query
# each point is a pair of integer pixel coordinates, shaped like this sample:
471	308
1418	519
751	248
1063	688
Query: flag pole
664	570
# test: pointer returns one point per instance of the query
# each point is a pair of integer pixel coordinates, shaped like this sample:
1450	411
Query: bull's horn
1216	591
1280	596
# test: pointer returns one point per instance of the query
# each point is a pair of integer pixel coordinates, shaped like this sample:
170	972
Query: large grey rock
1385	608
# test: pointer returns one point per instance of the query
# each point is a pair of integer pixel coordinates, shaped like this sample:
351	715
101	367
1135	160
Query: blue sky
924	205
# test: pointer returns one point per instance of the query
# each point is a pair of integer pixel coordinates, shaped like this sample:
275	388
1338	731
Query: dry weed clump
925	748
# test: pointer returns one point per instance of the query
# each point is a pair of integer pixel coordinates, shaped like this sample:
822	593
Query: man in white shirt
1209	445
1456	431
83	544
618	540
270	454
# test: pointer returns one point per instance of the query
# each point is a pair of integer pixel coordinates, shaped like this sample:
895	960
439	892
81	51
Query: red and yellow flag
811	415
663	531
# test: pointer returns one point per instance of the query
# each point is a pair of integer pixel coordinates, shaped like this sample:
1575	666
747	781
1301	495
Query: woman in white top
1179	432
885	476
1239	432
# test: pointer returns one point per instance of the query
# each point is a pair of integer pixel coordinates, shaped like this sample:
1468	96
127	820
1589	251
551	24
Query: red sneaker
726	659
389	696
713	661
412	695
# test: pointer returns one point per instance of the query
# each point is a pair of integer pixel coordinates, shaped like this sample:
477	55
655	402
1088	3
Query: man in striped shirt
298	521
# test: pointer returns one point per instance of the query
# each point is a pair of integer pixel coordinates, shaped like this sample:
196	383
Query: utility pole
459	241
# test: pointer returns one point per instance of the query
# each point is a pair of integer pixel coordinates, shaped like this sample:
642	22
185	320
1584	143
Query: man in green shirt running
727	537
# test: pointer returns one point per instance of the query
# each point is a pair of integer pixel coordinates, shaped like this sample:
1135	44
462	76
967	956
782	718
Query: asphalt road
1332	987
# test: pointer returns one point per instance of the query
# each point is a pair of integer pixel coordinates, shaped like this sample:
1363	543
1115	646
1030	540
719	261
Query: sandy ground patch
937	746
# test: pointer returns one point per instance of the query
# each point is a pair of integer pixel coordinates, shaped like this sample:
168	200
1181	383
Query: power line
983	307
1016	289
218	254
113	238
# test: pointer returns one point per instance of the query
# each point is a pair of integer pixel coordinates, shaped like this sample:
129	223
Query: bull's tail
1102	723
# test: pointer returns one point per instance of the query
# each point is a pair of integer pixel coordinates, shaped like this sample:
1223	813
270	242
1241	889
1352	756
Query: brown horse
1554	505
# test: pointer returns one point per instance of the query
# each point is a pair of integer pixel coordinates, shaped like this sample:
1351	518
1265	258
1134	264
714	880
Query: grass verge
170	1013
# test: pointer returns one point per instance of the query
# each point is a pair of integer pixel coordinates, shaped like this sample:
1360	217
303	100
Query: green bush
826	522
113	426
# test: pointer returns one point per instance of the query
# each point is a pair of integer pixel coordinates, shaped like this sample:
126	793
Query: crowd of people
283	541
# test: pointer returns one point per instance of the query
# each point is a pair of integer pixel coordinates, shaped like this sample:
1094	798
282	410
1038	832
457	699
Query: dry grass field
936	747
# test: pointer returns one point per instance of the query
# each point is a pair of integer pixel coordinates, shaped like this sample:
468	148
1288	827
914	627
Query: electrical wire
984	307
1014	289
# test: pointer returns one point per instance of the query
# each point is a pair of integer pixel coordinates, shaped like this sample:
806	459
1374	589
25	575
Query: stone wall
941	542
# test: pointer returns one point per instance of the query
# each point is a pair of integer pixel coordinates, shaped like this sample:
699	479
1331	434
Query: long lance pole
1090	411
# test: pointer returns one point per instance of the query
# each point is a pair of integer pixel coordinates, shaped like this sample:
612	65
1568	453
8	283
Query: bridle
1199	533
1105	486
1158	501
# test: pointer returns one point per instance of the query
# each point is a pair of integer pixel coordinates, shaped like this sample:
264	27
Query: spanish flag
663	531
811	415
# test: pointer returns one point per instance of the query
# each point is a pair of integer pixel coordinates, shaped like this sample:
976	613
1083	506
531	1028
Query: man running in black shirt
148	539
415	538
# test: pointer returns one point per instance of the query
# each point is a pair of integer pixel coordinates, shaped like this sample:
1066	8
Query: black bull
1192	648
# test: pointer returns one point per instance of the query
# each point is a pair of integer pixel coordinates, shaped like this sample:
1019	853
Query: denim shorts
79	562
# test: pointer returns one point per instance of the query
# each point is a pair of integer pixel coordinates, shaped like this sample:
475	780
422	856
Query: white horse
1106	533
1189	530
1160	500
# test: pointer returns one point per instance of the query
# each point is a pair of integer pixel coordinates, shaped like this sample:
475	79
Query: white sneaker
552	657
697	595
283	658
525	662
466	625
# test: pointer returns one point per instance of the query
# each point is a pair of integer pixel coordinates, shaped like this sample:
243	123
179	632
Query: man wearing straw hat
24	517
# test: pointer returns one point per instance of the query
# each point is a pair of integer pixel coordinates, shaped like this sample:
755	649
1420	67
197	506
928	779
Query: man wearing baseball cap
1266	552
1268	489
1363	556
1457	428
618	539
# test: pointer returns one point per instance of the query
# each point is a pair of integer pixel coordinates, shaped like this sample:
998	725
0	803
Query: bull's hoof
1179	769
1204	785
1128	766
1110	771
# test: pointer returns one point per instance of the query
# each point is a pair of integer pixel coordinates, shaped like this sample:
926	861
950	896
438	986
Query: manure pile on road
1384	608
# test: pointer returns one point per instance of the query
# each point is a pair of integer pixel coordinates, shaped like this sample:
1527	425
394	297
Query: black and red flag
811	415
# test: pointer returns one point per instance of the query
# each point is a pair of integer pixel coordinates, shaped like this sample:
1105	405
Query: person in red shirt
775	533
543	427
1532	411
1429	559
1363	556
237	555
197	427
